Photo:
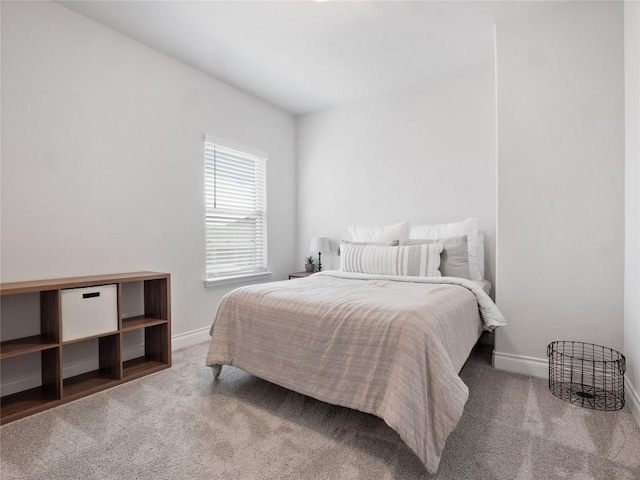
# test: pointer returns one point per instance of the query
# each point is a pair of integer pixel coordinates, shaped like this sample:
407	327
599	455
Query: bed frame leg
216	369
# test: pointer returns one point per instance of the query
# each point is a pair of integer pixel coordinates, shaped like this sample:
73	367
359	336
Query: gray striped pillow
454	259
415	260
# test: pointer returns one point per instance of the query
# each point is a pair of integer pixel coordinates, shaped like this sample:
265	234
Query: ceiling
306	56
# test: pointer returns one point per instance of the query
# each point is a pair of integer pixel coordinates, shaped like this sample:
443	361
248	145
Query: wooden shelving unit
54	389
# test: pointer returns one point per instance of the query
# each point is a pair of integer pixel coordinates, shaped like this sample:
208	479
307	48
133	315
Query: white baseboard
186	339
632	399
536	367
34	379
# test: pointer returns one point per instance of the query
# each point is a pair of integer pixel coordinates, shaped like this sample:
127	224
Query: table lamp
319	244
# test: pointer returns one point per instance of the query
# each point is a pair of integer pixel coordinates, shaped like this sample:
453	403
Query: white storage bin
89	311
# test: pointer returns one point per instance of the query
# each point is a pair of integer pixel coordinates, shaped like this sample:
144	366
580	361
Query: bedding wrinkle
388	347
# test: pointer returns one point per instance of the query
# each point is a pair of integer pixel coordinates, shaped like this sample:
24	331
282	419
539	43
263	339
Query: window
236	213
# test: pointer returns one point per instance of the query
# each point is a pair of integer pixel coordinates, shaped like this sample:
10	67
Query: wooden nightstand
300	274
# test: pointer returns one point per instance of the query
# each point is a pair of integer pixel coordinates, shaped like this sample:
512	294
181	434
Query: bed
388	345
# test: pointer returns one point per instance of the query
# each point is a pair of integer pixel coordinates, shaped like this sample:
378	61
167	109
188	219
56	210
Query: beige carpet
180	424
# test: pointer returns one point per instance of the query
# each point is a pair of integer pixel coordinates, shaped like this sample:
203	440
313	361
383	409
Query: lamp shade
319	244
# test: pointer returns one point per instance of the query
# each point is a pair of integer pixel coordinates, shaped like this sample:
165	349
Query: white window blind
236	213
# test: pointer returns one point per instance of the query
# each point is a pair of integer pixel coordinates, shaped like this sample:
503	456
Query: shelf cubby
156	356
33	400
41	317
108	373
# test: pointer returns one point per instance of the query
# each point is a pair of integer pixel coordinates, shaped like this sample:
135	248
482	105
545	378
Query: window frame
238	276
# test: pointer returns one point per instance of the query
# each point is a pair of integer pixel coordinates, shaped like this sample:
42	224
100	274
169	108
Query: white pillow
413	260
468	227
389	233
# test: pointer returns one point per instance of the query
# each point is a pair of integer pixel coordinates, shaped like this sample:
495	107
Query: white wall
560	113
424	154
102	158
632	203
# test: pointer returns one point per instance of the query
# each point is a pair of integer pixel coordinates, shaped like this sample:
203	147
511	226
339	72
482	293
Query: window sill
236	279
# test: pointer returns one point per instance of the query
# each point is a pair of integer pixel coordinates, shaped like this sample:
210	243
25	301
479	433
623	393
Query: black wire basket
588	375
